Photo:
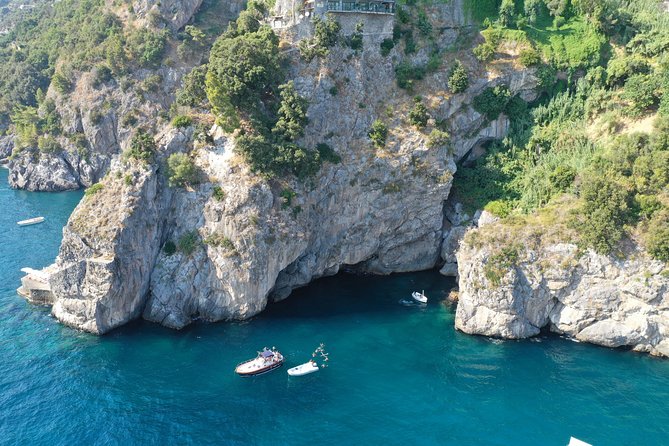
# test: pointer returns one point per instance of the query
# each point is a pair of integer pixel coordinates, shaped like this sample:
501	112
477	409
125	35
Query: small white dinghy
576	442
420	297
30	221
304	369
312	365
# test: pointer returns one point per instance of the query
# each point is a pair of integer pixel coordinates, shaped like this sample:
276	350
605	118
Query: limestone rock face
175	13
6	146
50	174
590	297
241	239
110	244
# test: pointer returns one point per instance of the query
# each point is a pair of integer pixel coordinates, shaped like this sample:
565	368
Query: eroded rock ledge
514	289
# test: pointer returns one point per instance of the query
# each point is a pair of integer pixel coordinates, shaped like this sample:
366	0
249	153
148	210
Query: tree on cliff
243	72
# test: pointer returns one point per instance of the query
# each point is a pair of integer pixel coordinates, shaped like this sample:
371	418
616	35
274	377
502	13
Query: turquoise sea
398	375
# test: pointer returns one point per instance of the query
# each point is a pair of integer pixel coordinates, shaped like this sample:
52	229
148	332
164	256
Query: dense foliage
244	85
581	140
73	35
181	170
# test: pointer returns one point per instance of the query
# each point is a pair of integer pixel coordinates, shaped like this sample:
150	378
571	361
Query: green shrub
355	41
605	211
48	144
218	193
438	138
169	248
484	52
181	170
182	121
188	242
423	24
458	79
619	69
101	75
61	83
287	196
562	177
392	188
499	264
492	101
192	92
292	114
334	91
129	119
507	13
378	133
418	115
327	153
94	189
405	74
326	35
648	205
147	46
529	57
142	147
547	77
241	71
129	180
386	46
499	208
221	241
642	93
657	237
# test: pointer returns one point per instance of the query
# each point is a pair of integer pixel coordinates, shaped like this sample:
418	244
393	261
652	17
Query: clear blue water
398	375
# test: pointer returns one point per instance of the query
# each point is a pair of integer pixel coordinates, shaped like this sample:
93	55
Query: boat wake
411	303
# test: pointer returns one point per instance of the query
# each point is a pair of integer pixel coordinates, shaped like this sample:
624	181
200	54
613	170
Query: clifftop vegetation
598	136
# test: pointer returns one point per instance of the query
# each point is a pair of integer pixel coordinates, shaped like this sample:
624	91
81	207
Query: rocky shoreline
223	248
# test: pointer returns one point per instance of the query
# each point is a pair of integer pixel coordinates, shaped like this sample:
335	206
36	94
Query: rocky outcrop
174	13
514	291
110	244
6	146
242	239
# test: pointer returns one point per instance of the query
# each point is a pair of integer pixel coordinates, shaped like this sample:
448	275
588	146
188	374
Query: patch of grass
94	189
499	264
188	242
218	193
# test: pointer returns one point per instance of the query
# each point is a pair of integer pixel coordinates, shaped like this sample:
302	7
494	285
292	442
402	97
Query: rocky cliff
98	117
243	239
515	282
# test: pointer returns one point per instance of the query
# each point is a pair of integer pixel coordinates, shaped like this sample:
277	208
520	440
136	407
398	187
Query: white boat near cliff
30	221
266	361
420	297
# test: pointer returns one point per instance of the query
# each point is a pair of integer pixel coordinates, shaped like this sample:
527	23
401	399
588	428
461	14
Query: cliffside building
291	12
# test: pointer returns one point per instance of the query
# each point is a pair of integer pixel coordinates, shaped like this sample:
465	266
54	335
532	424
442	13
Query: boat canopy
267	353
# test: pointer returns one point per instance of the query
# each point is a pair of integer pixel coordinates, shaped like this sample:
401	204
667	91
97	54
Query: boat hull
32	221
418	297
244	369
303	369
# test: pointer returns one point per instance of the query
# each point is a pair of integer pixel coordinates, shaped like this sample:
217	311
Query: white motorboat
420	297
265	361
304	369
30	221
311	366
576	442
